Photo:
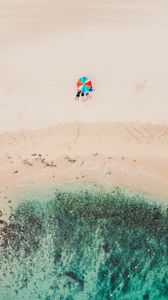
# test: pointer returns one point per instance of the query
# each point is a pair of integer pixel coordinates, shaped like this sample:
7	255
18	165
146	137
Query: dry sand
45	46
134	156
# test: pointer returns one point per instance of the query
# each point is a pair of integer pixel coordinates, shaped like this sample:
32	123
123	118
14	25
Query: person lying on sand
78	95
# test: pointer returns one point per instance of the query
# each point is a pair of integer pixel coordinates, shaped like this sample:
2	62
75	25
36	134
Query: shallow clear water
85	245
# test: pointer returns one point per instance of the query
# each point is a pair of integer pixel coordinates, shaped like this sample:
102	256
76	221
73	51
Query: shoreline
133	156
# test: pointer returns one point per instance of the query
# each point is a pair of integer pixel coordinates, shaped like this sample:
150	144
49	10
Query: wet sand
70	244
45	48
106	155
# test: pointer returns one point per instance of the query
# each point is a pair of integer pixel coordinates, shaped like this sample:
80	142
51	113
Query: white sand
46	45
134	156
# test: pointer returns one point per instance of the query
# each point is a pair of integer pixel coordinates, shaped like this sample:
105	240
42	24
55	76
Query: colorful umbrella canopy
84	84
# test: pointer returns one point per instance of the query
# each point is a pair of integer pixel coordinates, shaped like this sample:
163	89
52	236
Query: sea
84	244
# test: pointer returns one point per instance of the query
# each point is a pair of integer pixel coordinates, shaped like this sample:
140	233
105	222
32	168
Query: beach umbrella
84	84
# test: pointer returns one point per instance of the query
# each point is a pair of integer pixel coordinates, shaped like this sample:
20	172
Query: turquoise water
85	245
